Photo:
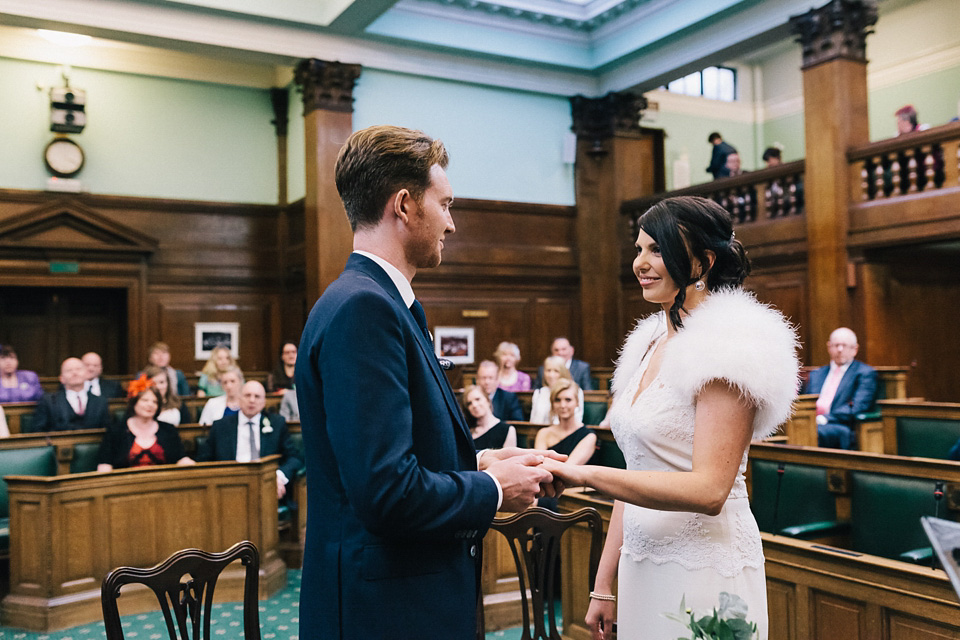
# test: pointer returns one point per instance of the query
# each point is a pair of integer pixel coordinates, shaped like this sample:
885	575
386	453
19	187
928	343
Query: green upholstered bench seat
926	437
85	456
594	412
32	461
886	510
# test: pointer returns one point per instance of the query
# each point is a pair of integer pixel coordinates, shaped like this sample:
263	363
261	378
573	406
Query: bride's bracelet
602	596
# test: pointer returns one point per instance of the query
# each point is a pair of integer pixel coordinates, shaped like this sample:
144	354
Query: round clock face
64	157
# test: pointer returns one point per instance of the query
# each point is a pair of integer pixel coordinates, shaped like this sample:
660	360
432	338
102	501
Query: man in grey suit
579	370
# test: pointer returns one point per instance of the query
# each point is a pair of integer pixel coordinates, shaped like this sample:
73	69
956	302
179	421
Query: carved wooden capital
839	29
599	119
326	85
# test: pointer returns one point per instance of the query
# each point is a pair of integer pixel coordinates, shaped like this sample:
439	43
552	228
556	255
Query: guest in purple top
16	386
507	356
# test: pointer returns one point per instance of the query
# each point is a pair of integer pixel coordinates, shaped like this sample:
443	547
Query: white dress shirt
77	399
92	386
243	436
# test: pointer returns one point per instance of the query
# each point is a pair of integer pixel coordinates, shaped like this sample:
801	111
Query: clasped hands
522	475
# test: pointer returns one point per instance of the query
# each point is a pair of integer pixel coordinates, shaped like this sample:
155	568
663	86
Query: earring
700	286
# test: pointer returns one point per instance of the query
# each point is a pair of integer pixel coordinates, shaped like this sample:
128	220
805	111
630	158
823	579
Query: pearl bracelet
602	596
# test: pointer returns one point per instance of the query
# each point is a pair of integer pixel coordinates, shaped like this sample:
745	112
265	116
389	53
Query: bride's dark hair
689	226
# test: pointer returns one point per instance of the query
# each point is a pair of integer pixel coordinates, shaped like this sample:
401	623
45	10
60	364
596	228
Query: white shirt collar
399	280
244	420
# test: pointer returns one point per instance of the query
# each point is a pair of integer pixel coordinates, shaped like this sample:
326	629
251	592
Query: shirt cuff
499	489
283	477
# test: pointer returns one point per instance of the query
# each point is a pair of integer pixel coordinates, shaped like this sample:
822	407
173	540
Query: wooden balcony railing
917	162
751	197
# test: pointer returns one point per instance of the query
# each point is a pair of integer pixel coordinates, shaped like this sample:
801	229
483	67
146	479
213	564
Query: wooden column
609	170
833	38
328	121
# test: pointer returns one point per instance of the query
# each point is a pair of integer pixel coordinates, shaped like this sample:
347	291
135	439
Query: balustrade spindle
895	176
929	161
864	182
912	173
878	182
792	197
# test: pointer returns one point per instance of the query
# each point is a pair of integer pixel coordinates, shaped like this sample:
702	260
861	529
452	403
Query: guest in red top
140	440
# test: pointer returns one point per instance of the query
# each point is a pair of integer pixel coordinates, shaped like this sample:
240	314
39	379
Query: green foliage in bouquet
729	622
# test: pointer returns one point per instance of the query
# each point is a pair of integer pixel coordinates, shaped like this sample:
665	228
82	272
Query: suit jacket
221	442
579	371
506	405
111	389
54	413
396	507
857	391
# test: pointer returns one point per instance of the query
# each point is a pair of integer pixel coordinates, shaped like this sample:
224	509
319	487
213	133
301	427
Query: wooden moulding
68	532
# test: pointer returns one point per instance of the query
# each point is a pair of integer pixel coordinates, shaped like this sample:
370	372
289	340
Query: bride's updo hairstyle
689	226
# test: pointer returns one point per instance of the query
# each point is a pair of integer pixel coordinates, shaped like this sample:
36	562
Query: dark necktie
417	310
254	452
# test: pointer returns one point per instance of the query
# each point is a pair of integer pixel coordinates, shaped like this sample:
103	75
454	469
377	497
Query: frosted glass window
710	82
692	85
715	83
726	84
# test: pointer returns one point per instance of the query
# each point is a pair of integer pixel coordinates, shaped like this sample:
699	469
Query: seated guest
733	165
4	429
71	407
252	434
541	411
159	356
220	361
579	370
507	356
907	120
505	404
227	404
772	157
141	439
95	383
282	376
846	387
568	436
172	409
17	385
488	432
290	406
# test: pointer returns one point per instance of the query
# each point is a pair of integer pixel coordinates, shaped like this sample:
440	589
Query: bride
693	385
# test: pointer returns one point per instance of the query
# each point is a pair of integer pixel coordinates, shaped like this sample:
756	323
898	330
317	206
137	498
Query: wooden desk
67	532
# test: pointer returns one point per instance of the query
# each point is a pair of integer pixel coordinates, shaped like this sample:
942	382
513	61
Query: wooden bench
67	532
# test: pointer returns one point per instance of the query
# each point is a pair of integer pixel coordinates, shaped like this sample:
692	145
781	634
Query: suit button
473	551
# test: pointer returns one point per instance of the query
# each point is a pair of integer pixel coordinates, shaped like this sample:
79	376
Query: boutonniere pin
266	428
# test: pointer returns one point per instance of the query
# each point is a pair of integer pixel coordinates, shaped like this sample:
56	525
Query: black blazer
221	442
54	413
117	441
506	405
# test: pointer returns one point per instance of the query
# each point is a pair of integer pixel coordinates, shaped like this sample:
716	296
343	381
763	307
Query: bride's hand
600	618
572	475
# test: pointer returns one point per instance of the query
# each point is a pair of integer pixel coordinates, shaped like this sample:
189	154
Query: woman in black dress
488	432
568	436
140	440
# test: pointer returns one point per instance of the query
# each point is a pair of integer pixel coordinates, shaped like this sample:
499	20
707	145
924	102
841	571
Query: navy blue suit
506	405
856	393
221	442
396	508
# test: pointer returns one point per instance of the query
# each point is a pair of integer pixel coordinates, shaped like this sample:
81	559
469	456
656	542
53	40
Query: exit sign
61	266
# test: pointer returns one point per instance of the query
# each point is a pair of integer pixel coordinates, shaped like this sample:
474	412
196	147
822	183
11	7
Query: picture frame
208	335
455	344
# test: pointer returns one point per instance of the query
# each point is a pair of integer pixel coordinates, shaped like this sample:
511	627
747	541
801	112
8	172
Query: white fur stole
730	336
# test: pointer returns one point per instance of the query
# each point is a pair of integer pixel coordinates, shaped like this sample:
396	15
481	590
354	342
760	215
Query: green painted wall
786	133
296	153
503	145
145	136
933	95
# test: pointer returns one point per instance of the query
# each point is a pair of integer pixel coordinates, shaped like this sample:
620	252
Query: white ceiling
553	46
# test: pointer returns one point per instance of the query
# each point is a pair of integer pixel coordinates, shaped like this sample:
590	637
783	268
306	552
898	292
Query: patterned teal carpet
279	620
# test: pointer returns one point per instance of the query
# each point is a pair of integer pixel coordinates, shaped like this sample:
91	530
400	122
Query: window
716	83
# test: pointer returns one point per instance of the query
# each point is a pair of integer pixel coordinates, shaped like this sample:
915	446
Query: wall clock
64	157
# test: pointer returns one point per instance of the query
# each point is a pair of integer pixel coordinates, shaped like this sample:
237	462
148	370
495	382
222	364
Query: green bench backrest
926	437
609	455
804	496
594	412
35	461
886	510
85	456
26	423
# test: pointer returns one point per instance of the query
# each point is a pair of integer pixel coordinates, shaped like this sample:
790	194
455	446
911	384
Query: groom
397	506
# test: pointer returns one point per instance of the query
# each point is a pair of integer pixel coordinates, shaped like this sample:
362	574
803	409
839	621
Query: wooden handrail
950	131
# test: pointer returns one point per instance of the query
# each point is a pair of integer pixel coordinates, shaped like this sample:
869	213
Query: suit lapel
267	440
230	438
372	269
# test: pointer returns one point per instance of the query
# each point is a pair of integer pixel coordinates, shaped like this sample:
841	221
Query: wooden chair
186	597
534	538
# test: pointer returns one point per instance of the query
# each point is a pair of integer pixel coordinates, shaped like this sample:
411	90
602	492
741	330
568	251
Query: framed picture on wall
455	344
209	335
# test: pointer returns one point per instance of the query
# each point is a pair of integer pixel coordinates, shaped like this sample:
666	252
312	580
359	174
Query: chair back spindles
182	600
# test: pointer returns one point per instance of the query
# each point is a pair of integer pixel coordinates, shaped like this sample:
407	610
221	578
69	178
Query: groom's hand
521	478
490	456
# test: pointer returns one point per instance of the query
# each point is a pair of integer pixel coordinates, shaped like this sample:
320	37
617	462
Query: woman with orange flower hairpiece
140	439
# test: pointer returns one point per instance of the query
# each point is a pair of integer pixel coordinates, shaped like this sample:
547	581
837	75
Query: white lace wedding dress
669	556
